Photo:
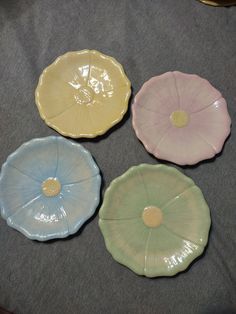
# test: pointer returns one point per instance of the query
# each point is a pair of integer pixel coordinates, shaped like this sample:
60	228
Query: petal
54	97
213	124
71	68
75	163
80	201
74	122
106	73
187	215
163	183
126	241
159	94
166	254
42	219
108	109
16	189
37	158
184	146
150	127
145	117
59	82
127	195
195	92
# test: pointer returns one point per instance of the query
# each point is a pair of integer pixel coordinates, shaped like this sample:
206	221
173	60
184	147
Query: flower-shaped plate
154	220
181	118
48	188
83	93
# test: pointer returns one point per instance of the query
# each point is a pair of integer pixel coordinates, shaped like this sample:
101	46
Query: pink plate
181	118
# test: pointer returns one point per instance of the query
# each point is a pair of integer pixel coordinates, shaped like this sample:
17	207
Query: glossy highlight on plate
154	220
83	93
181	118
219	3
48	188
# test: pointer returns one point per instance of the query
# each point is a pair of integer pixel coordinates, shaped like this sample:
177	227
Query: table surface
78	275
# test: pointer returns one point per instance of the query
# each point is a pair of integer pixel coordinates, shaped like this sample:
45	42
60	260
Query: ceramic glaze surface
218	3
48	188
154	220
181	118
83	93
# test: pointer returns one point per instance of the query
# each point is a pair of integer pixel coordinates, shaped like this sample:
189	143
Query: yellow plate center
84	95
152	216
51	187
179	118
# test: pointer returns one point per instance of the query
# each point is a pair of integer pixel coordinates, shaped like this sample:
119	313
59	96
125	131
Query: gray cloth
78	275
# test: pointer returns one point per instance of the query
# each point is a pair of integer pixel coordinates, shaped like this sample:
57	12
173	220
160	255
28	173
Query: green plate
154	220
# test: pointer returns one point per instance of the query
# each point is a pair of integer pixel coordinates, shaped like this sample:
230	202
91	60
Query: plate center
179	118
51	187
152	216
84	95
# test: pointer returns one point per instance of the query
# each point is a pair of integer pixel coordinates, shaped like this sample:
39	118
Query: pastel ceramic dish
154	220
219	3
181	118
83	93
48	188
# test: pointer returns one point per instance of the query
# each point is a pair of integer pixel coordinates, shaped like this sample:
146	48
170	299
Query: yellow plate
83	93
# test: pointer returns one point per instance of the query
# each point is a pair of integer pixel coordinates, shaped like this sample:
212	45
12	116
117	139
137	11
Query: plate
154	220
83	93
48	188
181	118
219	3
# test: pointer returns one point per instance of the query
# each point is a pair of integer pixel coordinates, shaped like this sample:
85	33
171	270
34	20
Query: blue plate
48	188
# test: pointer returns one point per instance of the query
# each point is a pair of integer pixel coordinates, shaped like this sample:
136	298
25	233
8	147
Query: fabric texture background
78	275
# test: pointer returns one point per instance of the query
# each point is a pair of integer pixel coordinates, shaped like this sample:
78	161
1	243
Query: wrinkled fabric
78	275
